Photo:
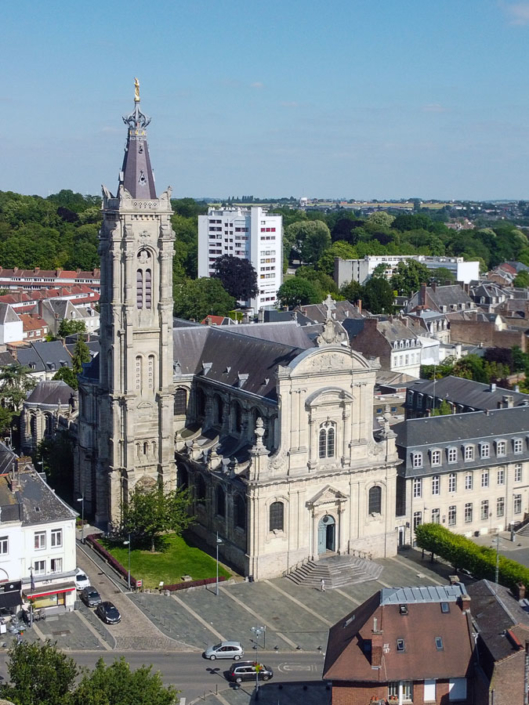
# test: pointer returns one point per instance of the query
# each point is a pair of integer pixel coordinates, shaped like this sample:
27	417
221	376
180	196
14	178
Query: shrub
461	552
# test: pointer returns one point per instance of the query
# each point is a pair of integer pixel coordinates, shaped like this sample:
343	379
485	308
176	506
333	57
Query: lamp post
219	541
81	499
258	631
128	543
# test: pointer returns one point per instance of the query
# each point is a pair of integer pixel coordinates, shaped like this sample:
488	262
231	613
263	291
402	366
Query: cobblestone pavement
294	617
135	631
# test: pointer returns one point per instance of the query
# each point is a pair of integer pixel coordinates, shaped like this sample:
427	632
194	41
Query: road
193	675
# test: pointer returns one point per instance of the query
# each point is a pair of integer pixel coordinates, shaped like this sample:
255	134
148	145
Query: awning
48	590
10	599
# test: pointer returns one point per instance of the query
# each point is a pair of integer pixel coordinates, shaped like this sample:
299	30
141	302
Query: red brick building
404	645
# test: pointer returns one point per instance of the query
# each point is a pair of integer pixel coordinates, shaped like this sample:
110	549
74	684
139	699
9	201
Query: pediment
144	405
328	495
329	395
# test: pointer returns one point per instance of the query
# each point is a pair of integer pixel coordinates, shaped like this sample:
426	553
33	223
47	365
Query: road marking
341	592
384	584
414	570
258	617
221	699
199	618
298	602
93	631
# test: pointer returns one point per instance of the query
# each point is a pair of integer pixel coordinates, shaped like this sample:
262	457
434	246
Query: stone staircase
337	571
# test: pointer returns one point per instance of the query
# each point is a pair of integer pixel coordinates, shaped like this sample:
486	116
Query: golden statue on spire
136	91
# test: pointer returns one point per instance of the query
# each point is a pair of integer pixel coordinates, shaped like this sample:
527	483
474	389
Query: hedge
461	552
93	539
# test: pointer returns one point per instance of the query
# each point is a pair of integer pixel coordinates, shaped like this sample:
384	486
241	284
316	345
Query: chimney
508	401
434	286
492	387
359	305
376	645
39	307
422	295
465	601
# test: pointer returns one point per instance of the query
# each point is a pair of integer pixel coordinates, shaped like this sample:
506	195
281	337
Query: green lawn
169	566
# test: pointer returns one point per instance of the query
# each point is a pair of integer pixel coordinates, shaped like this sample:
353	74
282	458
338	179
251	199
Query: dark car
246	671
108	613
91	597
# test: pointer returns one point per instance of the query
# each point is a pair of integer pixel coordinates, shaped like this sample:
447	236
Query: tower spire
136	173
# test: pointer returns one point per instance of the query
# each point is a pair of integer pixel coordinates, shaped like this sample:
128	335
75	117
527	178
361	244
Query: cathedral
276	442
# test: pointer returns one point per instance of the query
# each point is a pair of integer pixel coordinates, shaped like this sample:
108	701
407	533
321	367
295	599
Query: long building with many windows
467	471
248	233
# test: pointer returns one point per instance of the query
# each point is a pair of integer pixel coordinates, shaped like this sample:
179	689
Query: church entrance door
326	534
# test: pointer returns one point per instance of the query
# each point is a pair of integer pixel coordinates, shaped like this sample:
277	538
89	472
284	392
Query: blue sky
345	98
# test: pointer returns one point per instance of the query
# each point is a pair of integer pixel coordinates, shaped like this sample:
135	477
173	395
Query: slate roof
347	659
44	357
40	504
7	314
226	357
392	329
317	313
136	172
467	392
499	423
51	392
448	295
287	333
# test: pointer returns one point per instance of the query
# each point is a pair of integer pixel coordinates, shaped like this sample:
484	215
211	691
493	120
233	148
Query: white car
81	580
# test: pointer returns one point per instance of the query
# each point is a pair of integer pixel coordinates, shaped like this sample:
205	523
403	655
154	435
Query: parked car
81	580
226	649
91	597
108	613
246	671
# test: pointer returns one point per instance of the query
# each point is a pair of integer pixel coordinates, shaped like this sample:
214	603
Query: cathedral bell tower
135	395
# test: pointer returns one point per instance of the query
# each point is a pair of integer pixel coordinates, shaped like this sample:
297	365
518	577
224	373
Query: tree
317	240
443	409
81	355
378	296
409	276
56	455
70	326
39	674
442	275
521	280
117	684
194	299
67	375
298	292
340	249
150	513
352	291
238	277
380	219
15	383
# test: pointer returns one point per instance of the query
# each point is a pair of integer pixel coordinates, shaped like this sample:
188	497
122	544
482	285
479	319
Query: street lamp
219	541
81	499
128	543
258	631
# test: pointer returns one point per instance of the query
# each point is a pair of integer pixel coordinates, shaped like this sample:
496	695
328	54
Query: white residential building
37	540
248	233
360	270
11	326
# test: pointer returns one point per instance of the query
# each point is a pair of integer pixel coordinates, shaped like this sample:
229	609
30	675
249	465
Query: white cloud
257	84
433	108
518	12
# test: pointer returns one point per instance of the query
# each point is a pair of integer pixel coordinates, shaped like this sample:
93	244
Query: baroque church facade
276	442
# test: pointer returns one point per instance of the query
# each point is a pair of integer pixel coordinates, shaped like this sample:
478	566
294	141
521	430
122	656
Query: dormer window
416	459
452	455
469	453
517	445
501	448
436	457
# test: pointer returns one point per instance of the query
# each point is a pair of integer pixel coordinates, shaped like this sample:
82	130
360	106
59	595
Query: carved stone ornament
330	361
144	235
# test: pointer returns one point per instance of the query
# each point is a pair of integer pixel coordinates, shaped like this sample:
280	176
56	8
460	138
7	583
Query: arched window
148	288
277	516
180	402
138	373
49	425
240	512
327	440
220	504
200	490
139	288
150	372
375	500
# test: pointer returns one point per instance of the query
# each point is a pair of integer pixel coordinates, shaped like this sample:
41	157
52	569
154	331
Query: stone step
336	571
